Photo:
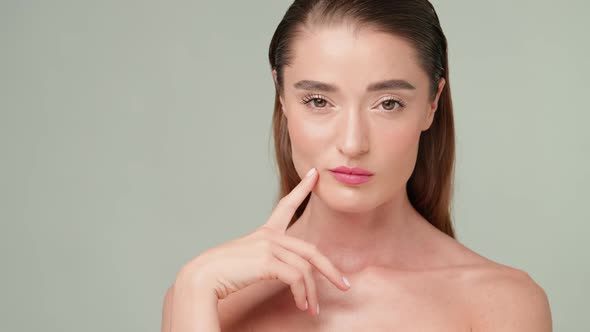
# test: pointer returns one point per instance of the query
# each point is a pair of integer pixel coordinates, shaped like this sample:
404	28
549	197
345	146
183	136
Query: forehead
351	59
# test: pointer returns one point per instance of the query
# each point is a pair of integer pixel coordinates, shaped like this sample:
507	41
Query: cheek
400	143
307	141
397	153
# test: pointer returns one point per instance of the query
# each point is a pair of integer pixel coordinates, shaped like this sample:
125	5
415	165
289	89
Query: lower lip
351	178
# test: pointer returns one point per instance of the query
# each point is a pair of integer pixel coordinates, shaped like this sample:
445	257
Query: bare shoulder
499	297
504	298
167	310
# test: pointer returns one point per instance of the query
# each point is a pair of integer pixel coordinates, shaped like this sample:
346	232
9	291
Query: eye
389	104
317	101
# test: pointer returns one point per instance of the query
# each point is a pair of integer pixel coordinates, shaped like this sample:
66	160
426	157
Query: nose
353	134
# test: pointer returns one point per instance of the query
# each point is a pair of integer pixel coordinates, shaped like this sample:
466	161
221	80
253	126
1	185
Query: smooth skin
405	274
265	254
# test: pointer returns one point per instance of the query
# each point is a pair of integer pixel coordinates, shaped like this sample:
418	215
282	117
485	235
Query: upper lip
351	170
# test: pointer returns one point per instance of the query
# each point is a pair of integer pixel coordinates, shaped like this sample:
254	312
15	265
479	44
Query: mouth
351	170
351	175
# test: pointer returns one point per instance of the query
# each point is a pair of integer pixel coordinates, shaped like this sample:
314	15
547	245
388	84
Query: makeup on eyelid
312	98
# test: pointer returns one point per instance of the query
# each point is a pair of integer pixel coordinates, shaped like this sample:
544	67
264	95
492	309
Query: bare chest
372	304
402	315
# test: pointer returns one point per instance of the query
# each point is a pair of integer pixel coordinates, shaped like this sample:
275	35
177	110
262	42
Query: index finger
285	209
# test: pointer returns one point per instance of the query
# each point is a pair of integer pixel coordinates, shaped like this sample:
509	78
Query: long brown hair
431	183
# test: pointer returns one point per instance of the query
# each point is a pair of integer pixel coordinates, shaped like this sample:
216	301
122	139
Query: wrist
196	280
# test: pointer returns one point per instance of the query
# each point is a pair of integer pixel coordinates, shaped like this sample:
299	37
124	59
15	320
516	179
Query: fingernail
318	309
346	281
306	305
311	172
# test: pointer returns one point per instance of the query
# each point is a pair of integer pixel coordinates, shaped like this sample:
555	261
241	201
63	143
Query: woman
363	100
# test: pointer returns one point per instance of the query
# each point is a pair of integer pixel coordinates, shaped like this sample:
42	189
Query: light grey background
135	134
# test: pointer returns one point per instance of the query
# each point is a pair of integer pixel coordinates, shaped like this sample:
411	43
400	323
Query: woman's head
365	84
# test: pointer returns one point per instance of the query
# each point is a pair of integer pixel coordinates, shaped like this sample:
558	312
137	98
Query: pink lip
353	170
351	175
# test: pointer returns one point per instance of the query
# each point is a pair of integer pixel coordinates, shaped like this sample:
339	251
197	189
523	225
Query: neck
354	241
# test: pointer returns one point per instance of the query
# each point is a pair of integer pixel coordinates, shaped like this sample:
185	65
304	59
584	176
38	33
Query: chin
347	199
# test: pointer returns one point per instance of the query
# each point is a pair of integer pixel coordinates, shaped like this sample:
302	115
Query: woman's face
341	111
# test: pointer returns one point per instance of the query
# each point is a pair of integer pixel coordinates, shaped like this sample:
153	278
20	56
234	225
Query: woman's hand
266	253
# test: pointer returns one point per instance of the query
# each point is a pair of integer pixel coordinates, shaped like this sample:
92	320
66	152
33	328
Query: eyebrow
395	84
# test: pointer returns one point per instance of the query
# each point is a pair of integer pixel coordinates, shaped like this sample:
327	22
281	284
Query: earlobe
429	119
283	106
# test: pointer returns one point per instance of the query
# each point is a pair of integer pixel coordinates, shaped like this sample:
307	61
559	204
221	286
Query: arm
167	310
514	304
188	309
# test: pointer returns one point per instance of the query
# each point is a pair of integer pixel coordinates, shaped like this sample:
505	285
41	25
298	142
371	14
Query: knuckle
268	258
313	249
267	245
315	255
264	232
299	278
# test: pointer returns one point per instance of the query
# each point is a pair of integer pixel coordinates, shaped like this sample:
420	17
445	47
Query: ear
274	77
433	106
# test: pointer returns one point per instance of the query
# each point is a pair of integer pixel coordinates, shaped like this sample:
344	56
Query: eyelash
311	97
